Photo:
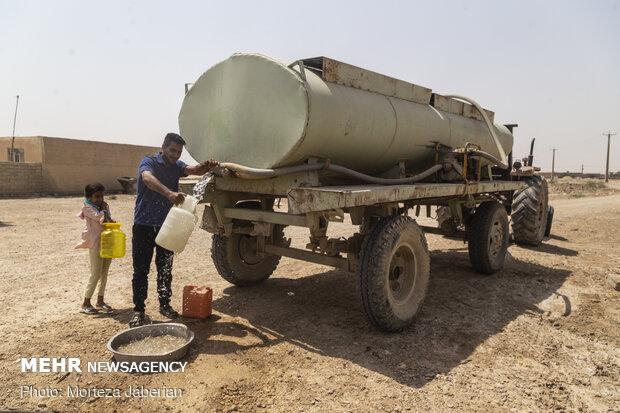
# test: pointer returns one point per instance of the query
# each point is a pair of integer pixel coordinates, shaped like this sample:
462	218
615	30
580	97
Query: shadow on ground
552	249
321	313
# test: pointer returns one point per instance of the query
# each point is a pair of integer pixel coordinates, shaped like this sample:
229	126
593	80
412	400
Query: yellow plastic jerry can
112	244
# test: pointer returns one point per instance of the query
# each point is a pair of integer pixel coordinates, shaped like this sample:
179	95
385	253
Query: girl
95	212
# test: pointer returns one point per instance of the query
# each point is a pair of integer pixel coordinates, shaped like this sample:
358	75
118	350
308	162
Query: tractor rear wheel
530	211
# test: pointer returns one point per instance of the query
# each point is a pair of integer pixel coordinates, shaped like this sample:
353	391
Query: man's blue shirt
152	207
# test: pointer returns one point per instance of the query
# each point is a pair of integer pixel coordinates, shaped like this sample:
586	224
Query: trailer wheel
487	237
549	221
529	212
393	273
235	257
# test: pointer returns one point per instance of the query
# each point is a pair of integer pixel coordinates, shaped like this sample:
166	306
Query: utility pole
609	135
581	169
14	120
553	164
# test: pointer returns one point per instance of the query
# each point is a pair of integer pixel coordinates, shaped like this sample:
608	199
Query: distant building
64	166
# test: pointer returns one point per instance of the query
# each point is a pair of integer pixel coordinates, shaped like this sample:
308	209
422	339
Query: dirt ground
543	334
567	187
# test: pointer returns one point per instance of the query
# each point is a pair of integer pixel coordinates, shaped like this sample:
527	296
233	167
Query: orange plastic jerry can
197	301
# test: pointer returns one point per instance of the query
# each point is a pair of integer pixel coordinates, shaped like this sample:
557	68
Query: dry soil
540	335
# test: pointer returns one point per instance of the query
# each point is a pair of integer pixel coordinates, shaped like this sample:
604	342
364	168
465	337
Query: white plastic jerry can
178	226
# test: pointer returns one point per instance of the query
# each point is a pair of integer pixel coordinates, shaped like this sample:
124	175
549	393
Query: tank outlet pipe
503	162
485	155
244	172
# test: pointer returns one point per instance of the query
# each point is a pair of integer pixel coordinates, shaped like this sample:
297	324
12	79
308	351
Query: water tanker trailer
334	140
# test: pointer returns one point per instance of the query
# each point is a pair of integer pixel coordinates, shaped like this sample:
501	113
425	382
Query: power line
609	135
553	164
14	121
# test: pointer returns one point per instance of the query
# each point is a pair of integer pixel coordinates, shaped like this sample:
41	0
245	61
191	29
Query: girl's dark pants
143	244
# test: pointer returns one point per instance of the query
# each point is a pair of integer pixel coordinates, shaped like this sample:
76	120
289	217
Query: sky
114	71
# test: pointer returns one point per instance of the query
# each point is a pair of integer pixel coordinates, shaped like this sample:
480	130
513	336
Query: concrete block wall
20	178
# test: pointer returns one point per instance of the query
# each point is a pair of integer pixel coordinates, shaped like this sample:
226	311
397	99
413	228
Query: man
158	190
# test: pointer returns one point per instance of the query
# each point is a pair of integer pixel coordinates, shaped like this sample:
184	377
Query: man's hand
153	183
210	164
176	197
201	168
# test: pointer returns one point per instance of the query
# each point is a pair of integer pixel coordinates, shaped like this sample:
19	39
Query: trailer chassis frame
313	206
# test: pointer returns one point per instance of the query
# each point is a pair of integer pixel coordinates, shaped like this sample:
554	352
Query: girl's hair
90	189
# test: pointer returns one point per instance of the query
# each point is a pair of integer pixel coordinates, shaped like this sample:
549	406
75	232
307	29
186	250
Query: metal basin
154	330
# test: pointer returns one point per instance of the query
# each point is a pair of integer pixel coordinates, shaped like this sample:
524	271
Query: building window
18	155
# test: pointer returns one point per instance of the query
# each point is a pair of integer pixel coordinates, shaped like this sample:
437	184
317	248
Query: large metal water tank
255	111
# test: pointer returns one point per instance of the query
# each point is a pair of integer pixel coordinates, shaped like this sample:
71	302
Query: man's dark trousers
143	243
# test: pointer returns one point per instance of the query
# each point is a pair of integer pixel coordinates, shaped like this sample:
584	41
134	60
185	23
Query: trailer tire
488	237
549	221
529	211
394	273
233	261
